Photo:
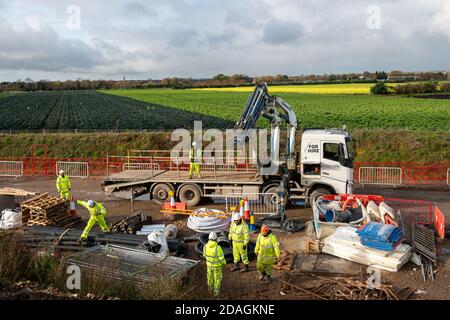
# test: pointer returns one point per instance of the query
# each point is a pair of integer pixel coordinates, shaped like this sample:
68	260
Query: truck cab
326	162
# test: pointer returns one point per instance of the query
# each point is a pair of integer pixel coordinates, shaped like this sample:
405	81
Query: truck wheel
190	194
317	193
161	192
272	200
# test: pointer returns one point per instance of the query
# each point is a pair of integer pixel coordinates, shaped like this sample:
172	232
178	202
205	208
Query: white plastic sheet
208	223
10	219
158	237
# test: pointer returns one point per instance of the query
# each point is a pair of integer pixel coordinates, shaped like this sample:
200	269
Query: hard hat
61	172
236	216
265	229
91	203
194	143
212	236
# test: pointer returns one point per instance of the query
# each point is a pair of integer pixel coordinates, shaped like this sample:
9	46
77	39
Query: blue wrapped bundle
380	236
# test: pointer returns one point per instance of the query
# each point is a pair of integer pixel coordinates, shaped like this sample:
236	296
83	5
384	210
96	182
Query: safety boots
262	276
244	269
235	267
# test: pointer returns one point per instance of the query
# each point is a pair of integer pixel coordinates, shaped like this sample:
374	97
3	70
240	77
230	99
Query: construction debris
120	263
150	228
131	224
340	287
46	210
286	261
425	247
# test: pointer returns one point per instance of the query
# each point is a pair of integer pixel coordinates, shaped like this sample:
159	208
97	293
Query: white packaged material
158	237
209	223
345	243
385	209
10	219
373	211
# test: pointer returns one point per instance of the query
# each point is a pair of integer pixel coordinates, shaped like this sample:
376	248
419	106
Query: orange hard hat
264	229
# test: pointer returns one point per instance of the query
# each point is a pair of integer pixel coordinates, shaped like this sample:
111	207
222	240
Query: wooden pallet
286	261
46	210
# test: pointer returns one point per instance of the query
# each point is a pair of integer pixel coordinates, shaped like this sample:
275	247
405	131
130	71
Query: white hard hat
194	143
212	236
61	171
91	203
236	216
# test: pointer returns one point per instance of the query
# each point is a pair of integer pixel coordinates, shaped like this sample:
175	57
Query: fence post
178	167
215	170
107	166
151	165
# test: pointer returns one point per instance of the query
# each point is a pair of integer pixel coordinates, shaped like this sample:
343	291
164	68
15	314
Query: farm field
90	110
168	109
313	110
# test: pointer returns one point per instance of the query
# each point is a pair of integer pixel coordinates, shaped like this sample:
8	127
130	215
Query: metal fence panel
380	175
448	176
259	203
73	169
11	168
143	166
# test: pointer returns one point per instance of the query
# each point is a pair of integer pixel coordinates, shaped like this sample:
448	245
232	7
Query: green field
168	109
313	110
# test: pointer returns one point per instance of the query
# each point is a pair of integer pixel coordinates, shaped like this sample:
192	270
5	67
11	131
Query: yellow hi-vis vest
197	158
213	254
96	210
267	248
63	184
239	233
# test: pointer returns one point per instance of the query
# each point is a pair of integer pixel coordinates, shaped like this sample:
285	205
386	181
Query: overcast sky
200	38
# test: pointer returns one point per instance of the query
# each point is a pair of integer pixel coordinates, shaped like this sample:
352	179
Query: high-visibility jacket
63	184
213	254
239	233
197	157
267	247
96	210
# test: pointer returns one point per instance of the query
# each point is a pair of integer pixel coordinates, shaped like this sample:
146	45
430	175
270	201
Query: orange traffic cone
241	208
73	208
172	200
246	209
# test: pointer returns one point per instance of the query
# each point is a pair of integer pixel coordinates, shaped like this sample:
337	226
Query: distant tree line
221	80
411	88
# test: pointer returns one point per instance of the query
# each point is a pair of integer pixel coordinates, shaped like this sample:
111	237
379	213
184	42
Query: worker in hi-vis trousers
267	249
97	214
63	185
195	158
239	235
215	260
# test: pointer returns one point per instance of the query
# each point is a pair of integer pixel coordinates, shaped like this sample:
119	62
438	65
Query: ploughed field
169	109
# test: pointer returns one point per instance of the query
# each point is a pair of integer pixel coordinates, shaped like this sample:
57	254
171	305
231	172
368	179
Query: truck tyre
190	194
161	192
317	193
271	201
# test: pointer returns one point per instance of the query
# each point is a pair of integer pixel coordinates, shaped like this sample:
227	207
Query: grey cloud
279	32
137	9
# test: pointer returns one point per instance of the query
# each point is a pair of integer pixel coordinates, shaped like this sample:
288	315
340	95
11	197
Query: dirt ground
246	286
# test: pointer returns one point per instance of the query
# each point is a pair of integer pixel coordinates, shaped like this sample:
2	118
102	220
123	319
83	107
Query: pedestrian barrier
415	211
259	203
73	169
11	168
140	166
448	176
380	175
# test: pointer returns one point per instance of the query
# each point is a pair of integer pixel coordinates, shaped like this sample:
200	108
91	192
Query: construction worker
63	185
97	214
215	260
267	248
239	235
195	156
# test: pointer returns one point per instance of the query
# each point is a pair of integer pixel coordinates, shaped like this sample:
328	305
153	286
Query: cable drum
208	223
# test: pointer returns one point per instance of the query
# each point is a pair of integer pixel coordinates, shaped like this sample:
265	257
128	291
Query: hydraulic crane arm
261	103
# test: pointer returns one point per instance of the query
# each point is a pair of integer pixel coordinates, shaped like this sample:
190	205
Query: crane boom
260	102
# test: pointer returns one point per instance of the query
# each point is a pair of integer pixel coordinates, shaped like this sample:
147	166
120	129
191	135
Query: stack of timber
131	224
46	210
286	261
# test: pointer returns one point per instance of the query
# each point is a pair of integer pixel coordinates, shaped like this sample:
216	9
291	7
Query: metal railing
448	176
142	166
380	175
11	168
73	169
259	203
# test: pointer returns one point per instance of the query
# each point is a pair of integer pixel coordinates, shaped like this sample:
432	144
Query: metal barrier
11	168
140	166
259	203
448	176
416	211
73	169
380	175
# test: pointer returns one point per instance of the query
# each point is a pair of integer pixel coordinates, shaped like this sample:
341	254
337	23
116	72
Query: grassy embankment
371	145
